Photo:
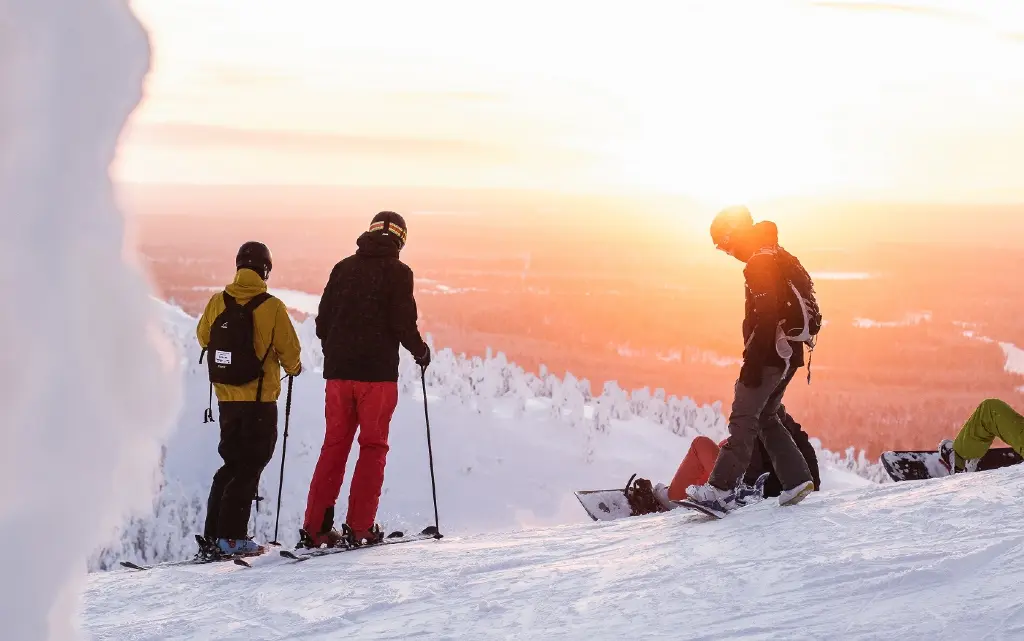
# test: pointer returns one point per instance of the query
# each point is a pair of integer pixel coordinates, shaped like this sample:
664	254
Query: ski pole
430	451
284	450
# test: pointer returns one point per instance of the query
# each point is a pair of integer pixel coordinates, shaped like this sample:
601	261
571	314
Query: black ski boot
360	538
331	539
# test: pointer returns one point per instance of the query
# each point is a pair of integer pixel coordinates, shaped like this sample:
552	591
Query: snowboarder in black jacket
769	363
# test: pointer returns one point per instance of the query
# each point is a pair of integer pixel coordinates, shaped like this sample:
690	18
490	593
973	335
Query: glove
299	371
424	360
751	375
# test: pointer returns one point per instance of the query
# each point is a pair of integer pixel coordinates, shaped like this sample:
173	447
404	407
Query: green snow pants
992	419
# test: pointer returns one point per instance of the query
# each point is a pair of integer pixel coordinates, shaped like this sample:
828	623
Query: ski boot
331	539
239	547
208	550
359	538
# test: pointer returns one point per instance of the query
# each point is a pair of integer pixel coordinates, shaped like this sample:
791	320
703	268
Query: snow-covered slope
917	560
509	449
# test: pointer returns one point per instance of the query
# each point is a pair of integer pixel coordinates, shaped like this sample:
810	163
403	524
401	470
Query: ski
238	560
306	554
199	559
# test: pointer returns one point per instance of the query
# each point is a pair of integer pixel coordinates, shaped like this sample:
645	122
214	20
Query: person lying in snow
992	419
700	460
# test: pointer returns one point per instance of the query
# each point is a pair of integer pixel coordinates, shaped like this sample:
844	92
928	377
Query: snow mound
510	447
88	395
915	560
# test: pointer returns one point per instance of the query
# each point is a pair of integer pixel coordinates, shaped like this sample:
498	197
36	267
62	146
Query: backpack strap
256	301
208	413
251	306
259	386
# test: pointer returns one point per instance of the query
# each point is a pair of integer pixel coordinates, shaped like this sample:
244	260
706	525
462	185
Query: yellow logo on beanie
391	228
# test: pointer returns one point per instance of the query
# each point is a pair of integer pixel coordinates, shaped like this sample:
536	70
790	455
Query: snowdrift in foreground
86	397
937	559
509	449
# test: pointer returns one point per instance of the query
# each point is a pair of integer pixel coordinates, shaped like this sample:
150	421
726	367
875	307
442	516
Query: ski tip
243	563
132	566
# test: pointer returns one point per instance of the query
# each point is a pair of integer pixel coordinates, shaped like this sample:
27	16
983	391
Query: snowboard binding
640	495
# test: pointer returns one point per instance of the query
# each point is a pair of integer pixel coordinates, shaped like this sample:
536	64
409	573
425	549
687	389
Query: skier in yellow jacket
991	420
249	337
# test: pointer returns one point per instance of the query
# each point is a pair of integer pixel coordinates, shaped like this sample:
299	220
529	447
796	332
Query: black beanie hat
388	223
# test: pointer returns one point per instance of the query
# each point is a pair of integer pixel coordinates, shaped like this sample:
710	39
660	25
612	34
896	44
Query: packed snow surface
915	560
520	558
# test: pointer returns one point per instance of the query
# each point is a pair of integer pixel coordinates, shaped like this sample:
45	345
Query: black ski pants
760	462
248	435
754	418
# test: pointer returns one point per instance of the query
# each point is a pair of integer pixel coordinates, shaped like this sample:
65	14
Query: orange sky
719	101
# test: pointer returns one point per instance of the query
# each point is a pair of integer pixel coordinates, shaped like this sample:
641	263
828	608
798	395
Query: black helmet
728	222
390	224
255	256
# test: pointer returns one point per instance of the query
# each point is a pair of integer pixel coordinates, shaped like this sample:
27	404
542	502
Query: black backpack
232	356
801	315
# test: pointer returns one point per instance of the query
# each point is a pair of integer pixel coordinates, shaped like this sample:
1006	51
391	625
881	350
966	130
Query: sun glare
756	100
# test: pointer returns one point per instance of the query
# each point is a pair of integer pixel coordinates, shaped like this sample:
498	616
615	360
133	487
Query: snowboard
697	507
605	505
918	465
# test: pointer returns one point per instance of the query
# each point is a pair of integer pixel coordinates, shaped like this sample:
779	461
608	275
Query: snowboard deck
610	505
697	507
305	554
918	465
605	505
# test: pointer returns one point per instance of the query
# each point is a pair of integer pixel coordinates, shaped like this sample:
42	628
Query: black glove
751	375
424	360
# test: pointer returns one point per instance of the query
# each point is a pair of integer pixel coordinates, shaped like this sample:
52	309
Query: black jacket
765	290
366	311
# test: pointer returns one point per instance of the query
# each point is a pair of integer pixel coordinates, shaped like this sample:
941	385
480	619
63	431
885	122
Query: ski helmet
728	222
390	224
255	256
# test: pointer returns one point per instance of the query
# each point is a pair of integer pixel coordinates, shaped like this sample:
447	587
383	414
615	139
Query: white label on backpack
222	358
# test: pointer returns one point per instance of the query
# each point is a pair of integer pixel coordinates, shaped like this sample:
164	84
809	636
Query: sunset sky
720	101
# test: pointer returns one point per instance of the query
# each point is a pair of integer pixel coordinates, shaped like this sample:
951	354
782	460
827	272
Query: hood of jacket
247	284
376	245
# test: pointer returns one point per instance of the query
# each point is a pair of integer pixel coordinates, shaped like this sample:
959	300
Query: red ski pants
352	404
695	468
